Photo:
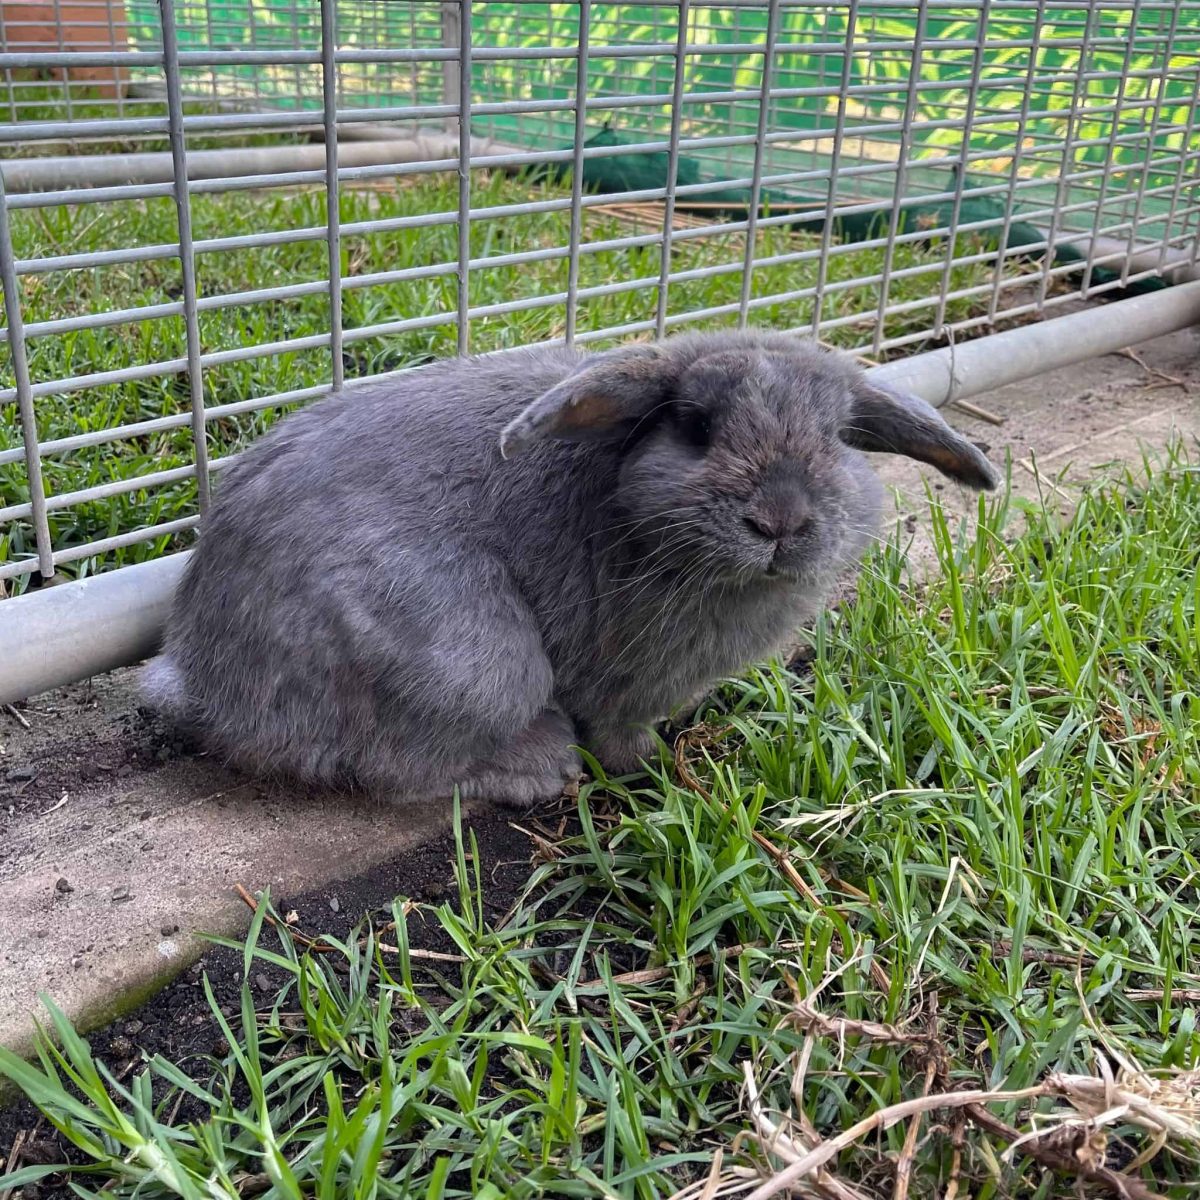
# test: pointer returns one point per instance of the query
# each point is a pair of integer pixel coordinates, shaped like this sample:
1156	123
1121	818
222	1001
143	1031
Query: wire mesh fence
187	249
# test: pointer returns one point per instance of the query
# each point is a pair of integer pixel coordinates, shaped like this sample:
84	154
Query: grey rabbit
456	577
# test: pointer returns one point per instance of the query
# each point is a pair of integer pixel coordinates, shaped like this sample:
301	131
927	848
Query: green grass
84	229
987	782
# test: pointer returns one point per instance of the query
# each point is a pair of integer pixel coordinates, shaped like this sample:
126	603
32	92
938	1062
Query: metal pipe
957	372
58	635
1176	266
106	170
499	155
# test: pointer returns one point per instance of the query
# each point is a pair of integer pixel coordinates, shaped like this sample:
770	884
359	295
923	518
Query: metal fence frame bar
217	412
384	225
677	82
187	260
24	394
316	233
118	487
260	295
126	374
760	148
835	165
1118	102
329	94
583	45
1188	136
68	59
985	11
1068	151
259	121
1152	135
465	109
906	135
210	180
1018	153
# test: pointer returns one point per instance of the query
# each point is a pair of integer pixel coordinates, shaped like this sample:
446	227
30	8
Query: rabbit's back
329	621
428	436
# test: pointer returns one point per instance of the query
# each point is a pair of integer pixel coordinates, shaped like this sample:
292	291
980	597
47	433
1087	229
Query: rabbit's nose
762	527
778	526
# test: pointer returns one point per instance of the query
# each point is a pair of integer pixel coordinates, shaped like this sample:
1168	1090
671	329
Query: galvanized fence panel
886	176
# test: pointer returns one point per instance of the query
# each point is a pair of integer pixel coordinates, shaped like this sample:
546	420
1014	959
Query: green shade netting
647	171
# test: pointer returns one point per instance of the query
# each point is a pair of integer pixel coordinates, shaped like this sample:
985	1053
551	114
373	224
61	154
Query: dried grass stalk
1072	1139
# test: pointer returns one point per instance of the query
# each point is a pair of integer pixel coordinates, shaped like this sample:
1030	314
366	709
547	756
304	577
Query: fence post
451	67
18	356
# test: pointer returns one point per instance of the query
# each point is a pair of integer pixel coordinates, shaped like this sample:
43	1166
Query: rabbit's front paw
539	765
623	752
518	791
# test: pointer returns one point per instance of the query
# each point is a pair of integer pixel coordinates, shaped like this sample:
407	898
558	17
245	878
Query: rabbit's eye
695	427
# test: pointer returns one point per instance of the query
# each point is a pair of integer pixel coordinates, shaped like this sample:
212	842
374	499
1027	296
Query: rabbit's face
743	473
739	453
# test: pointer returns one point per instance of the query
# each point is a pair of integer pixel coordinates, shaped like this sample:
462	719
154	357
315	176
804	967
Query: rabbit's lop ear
606	399
896	422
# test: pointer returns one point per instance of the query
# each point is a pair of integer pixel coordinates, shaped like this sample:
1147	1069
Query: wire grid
153	329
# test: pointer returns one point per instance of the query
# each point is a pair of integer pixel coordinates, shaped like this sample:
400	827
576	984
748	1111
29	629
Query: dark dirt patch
178	1024
79	741
85	769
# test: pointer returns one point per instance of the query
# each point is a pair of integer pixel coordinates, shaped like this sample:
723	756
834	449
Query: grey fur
380	599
